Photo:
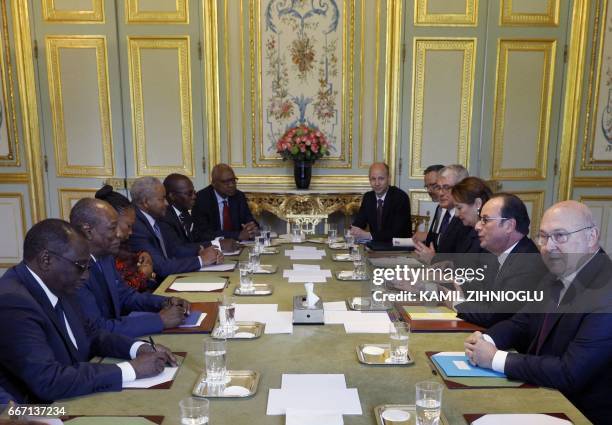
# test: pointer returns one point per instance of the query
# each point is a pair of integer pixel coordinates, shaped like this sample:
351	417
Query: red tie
227	218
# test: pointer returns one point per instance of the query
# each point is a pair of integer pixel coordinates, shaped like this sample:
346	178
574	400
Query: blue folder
450	369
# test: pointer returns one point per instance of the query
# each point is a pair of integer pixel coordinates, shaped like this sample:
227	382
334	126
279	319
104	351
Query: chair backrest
308	222
416	221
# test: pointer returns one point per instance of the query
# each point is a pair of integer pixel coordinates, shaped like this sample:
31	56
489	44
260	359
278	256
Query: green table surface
314	349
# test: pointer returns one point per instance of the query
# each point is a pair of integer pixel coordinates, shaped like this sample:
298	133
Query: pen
152	343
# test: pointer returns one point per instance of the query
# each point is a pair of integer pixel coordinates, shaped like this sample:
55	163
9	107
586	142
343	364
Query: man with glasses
222	210
149	197
564	342
45	345
502	230
177	224
106	299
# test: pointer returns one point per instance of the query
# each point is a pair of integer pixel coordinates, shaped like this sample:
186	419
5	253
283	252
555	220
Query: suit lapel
140	216
110	284
39	295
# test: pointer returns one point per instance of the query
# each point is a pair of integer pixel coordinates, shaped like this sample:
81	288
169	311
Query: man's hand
228	245
419	236
423	252
172	316
150	364
359	233
147	348
249	231
210	255
180	302
478	351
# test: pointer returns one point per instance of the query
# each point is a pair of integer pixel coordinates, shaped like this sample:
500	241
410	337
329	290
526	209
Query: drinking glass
296	232
399	334
332	233
215	361
428	403
266	233
227	312
246	279
194	411
359	267
254	259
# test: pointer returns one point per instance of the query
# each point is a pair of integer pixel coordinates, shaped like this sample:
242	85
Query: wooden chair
308	222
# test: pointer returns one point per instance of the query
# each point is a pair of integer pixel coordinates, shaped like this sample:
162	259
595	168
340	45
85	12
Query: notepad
194	319
190	284
523	419
456	364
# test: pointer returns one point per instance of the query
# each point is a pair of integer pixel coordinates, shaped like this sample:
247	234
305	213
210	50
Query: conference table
312	349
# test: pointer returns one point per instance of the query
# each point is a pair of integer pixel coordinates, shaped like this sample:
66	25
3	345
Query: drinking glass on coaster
254	260
354	252
350	240
227	312
332	233
215	361
359	267
399	334
296	232
428	403
194	411
246	278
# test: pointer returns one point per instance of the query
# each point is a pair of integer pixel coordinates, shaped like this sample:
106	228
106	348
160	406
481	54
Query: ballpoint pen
152	343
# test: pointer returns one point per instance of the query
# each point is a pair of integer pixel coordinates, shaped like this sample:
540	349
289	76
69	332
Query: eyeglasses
558	237
443	188
432	186
484	219
82	267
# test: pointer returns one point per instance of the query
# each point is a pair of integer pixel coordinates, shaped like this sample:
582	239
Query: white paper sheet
306	256
250	312
225	267
343	401
194	286
335	306
279	323
338	317
197	323
309	417
405	242
523	419
366	328
313	381
167	375
306	267
300	277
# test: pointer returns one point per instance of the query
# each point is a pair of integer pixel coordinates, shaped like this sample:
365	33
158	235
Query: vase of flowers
304	145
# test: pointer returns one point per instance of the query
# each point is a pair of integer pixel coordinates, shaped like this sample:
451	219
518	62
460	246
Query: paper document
280	322
193	286
334	306
403	242
366	328
310	417
167	375
343	401
523	419
313	381
225	267
456	364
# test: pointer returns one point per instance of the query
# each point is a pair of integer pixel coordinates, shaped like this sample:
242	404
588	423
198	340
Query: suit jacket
106	300
395	216
522	270
175	236
206	220
458	238
143	239
5	397
38	362
575	356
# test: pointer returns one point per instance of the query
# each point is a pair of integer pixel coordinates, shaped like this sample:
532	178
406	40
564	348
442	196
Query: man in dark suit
503	230
566	341
45	346
430	183
385	209
106	299
450	233
177	225
5	398
222	210
149	197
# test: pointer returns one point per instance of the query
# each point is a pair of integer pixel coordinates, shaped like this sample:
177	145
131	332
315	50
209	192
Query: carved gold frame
548	19
94	16
504	46
54	44
66	195
134	15
421	46
19	196
181	44
7	95
468	19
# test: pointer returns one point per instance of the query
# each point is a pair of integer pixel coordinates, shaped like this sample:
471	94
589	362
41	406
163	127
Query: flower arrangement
302	143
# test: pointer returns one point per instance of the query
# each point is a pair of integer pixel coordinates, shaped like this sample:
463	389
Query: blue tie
160	239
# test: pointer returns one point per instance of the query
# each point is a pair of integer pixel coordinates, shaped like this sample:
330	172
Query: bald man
221	210
566	341
385	210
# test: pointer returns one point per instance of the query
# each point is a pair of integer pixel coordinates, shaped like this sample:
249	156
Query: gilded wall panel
73	11
69	197
9	142
543	13
421	204
12	228
446	13
534	201
80	105
524	90
601	207
443	89
160	88
157	11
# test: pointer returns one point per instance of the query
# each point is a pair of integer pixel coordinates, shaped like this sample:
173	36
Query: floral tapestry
301	69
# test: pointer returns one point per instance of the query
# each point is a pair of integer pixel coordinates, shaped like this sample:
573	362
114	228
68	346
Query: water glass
254	259
428	403
227	313
267	234
296	233
246	278
332	233
399	334
354	252
260	243
215	361
194	411
359	268
349	239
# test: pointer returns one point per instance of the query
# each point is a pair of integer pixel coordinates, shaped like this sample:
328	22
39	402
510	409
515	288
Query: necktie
160	239
187	222
379	213
227	218
548	321
59	312
445	222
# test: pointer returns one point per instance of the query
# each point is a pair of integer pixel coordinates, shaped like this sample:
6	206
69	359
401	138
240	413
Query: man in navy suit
177	224
45	346
106	299
566	342
385	209
5	397
149	197
222	210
